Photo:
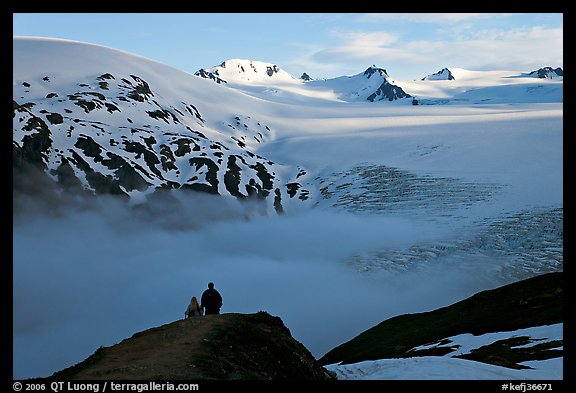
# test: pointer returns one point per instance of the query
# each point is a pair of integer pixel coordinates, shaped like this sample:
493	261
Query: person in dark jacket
211	300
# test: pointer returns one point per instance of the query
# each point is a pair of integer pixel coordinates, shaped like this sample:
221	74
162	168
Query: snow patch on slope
449	368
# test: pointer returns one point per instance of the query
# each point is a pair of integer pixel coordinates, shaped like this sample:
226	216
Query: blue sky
325	45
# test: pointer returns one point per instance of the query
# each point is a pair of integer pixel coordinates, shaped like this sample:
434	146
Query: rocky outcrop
386	90
547	73
215	347
210	75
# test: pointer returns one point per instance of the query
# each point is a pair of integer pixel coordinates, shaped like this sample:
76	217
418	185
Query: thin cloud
428	17
362	46
378	38
482	50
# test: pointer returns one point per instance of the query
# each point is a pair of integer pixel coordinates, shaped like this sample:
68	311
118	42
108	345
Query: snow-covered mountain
245	71
371	85
444	75
447	86
483	87
407	207
117	125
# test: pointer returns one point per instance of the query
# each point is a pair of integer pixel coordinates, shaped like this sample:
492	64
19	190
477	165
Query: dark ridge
531	302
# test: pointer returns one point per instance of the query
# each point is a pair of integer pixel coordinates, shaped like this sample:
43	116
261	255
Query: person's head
194	300
210	285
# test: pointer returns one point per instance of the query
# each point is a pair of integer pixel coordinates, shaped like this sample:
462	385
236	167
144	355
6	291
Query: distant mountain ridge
104	122
371	85
374	84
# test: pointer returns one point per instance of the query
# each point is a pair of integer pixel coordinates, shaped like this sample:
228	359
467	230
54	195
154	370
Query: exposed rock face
547	73
271	70
387	90
214	347
210	75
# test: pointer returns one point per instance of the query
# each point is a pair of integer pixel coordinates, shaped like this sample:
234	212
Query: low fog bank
167	209
99	274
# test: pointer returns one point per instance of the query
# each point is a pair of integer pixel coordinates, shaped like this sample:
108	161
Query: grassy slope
532	302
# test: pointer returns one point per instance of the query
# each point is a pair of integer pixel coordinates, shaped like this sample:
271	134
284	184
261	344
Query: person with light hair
193	308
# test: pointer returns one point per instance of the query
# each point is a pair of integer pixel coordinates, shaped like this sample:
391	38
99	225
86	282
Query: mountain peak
443	74
373	69
547	73
306	77
381	87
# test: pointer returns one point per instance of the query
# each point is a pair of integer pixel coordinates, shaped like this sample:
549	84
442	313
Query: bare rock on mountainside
547	73
215	347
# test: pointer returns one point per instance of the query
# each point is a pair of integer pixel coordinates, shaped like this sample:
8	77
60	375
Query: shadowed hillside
532	302
215	347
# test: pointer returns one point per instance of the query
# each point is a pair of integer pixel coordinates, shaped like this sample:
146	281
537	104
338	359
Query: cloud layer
98	275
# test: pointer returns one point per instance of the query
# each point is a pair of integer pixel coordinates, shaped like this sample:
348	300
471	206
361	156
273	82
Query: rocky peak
373	69
443	74
547	73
